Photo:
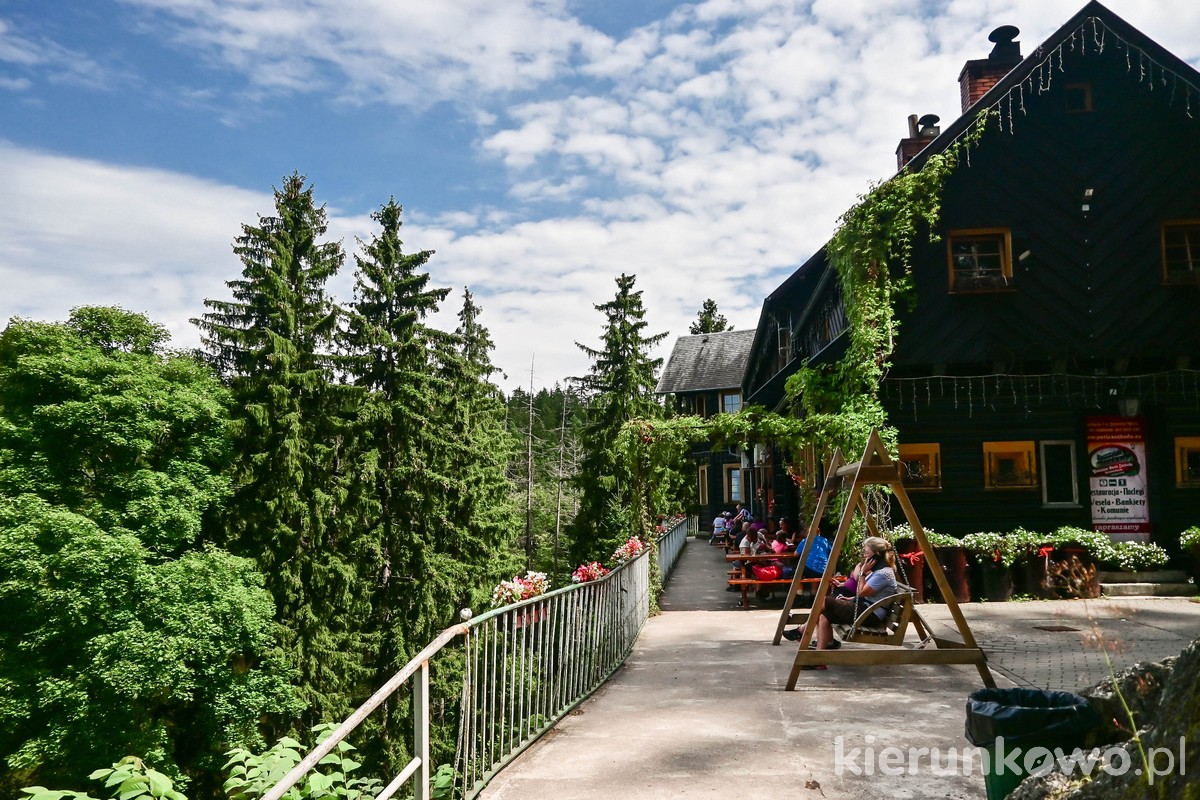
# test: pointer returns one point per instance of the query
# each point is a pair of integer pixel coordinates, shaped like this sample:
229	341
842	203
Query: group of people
872	578
752	537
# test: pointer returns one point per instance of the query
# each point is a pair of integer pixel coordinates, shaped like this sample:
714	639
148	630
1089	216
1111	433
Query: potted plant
1189	541
1136	557
950	554
910	561
994	554
632	547
522	587
586	573
1070	568
952	557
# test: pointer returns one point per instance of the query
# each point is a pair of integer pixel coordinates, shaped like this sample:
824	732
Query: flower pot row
1050	573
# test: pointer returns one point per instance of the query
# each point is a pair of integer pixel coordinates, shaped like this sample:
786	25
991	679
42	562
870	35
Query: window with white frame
1060	486
733	483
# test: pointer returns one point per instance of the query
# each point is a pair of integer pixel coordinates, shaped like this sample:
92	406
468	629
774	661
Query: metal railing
526	665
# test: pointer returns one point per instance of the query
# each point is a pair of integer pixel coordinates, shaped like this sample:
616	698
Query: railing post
421	731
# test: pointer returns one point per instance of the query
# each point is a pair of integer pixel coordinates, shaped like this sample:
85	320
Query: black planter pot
995	582
910	566
954	564
1029	576
1194	556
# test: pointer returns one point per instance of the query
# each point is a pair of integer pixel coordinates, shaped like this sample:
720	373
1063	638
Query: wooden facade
1060	290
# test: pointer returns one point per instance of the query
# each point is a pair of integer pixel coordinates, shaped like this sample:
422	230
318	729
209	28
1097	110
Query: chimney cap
929	120
1004	34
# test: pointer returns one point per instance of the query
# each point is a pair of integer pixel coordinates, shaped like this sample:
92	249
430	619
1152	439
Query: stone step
1130	589
1159	576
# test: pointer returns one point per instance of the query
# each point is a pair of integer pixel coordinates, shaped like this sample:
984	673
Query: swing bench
881	640
868	628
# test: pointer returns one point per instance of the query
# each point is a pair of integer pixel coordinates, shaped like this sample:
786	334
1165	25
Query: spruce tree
709	321
620	387
482	513
272	341
396	496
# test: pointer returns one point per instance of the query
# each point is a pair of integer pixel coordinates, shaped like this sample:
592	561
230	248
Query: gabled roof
1092	29
706	362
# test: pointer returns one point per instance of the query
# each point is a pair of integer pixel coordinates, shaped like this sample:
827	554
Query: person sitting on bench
874	576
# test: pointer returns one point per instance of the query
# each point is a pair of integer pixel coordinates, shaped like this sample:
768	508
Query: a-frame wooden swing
873	646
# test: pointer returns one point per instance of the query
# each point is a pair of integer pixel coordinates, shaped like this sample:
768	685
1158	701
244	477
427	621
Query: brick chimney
920	133
981	74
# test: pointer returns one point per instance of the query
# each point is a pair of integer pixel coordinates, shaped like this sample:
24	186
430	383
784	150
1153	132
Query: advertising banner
1117	463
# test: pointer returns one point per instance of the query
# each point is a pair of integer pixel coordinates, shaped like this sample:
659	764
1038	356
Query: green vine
871	252
837	405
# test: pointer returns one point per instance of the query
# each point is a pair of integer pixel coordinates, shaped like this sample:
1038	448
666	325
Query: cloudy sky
541	147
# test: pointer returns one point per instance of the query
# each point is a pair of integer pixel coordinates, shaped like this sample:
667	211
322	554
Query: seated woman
874	577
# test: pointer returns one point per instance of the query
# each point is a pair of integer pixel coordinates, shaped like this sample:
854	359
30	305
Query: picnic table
747	579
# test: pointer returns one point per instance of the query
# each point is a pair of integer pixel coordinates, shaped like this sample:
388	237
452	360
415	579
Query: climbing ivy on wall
871	253
837	405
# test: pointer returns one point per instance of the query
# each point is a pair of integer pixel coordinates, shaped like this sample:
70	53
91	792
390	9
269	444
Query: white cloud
709	153
76	232
46	58
409	52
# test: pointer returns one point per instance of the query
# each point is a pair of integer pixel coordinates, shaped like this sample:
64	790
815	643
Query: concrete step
1159	576
1130	589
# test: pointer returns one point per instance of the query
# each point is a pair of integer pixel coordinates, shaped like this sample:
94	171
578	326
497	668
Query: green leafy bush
1138	556
128	779
1190	538
999	548
251	775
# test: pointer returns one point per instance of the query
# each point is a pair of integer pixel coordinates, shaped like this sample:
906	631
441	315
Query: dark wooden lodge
1057	319
704	377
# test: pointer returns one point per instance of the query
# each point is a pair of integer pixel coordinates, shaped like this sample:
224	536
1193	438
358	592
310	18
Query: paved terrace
699	710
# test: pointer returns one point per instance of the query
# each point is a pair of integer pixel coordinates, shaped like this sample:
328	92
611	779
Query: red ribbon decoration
912	558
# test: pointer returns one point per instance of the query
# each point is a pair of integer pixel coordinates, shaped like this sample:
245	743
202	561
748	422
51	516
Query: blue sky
541	147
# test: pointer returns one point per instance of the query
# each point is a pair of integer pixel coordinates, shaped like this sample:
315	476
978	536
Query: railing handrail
420	663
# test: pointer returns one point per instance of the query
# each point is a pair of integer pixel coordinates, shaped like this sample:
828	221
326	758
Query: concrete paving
700	711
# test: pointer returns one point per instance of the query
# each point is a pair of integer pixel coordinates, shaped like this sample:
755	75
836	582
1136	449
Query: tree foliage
121	634
619	388
273	341
709	321
99	421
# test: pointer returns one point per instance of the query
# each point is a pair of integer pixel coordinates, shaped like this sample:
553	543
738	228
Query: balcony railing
524	666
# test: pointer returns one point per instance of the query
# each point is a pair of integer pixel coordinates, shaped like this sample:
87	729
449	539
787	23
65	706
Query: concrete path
700	711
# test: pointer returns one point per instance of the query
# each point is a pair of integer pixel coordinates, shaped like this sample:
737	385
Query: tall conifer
272	342
620	387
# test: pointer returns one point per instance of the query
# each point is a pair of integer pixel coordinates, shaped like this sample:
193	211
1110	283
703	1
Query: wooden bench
868	628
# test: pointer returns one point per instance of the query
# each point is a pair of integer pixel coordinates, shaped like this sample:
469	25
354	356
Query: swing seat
868	628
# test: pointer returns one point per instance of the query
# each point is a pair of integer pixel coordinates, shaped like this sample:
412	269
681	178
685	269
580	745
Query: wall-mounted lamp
1128	406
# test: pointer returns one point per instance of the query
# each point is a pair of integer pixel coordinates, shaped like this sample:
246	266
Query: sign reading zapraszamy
1117	464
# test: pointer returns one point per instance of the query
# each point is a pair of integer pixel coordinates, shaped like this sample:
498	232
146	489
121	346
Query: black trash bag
1029	717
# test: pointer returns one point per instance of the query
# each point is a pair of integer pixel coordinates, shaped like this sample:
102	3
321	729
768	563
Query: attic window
980	260
1181	252
1078	98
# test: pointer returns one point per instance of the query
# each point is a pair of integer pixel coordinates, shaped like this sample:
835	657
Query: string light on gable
1040	78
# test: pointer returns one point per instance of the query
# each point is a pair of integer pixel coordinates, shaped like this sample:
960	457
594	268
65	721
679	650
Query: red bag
768	572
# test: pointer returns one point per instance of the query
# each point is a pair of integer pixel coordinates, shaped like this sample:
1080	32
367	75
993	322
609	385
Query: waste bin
1003	721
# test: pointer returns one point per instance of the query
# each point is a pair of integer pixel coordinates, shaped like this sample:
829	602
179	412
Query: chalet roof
1092	29
707	361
